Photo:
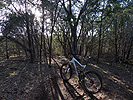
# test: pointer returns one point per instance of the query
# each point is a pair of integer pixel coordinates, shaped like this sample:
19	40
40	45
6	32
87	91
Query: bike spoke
66	72
92	82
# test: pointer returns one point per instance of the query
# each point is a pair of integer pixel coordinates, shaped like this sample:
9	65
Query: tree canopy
100	28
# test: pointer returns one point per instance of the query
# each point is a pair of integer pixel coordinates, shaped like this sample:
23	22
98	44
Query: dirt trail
23	81
117	84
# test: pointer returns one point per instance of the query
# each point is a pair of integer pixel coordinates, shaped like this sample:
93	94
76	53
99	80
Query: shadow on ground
25	81
54	88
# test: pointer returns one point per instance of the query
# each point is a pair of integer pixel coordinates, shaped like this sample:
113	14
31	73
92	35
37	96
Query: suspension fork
66	69
87	76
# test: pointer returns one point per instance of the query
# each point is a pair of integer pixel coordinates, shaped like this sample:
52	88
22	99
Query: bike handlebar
89	57
79	54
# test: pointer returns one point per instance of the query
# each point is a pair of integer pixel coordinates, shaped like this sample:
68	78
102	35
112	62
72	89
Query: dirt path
23	81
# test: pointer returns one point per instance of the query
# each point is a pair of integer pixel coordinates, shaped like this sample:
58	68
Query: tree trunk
29	35
91	47
36	45
130	47
87	45
81	50
99	43
54	19
7	55
100	34
82	44
70	46
32	42
131	38
74	39
73	24
64	45
116	39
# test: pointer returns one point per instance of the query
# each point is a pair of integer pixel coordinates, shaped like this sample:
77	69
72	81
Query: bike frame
84	76
73	62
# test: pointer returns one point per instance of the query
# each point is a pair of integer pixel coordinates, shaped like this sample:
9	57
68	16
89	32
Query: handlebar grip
72	53
89	57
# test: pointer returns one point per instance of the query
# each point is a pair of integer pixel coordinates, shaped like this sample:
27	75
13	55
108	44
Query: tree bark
29	35
99	43
130	47
116	39
7	55
73	24
92	38
54	19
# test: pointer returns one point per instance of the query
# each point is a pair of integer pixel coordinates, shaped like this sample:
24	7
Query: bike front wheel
92	82
66	72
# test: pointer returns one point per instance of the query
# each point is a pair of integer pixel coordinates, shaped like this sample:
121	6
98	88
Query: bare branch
65	7
82	10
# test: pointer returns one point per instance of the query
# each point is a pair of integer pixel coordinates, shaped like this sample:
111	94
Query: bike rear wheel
66	72
92	82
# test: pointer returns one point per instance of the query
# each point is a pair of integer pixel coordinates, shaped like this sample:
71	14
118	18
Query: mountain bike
91	80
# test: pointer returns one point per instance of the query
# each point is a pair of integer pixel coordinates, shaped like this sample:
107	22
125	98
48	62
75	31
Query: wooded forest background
100	28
